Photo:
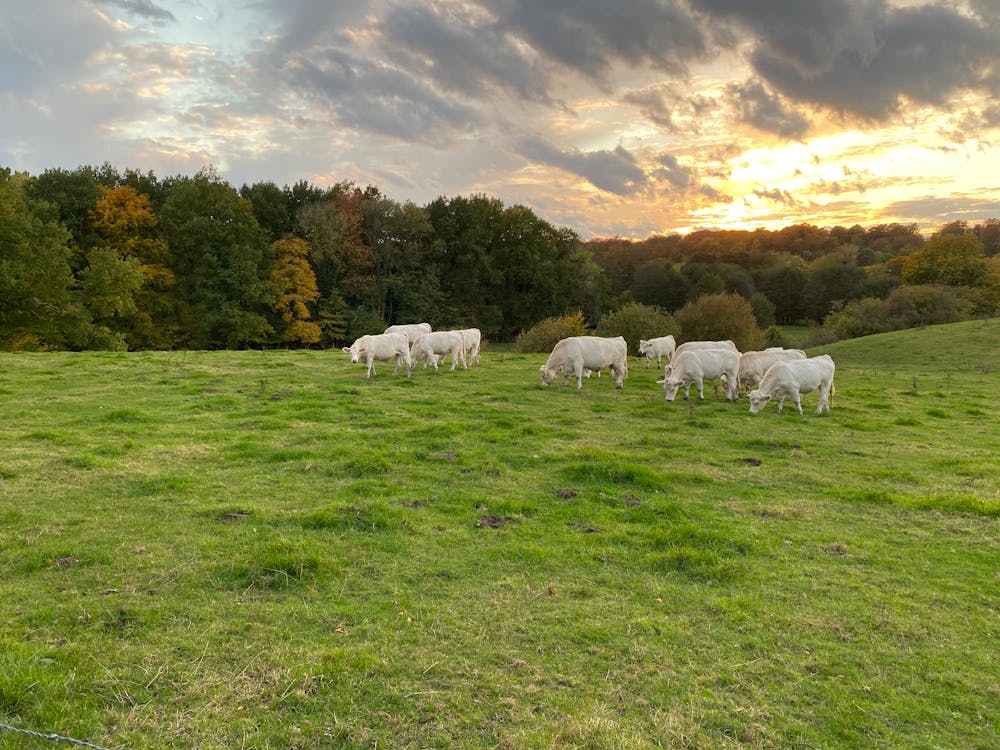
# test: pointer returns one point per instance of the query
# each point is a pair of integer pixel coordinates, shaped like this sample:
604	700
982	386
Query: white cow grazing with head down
793	378
413	331
658	348
382	347
698	365
472	337
753	365
443	343
573	355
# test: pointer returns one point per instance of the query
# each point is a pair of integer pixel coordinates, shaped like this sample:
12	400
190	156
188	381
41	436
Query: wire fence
49	736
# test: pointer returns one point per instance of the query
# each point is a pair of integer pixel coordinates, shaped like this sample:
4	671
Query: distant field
265	550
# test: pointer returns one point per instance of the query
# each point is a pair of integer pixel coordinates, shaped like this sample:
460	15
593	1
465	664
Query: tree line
97	258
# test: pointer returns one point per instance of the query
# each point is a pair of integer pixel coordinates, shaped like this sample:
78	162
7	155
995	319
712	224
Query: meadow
264	550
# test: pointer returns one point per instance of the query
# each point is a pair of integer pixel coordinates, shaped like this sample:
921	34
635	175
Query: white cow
430	345
698	365
472	337
753	365
657	348
413	331
793	378
573	355
382	347
689	345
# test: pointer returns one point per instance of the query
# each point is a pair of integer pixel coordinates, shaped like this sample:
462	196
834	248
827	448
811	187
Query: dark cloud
615	171
670	106
590	36
936	210
376	98
776	195
670	170
143	8
761	109
460	55
865	57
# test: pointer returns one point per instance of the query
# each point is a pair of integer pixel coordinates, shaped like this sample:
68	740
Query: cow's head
671	387
758	401
642	346
548	374
355	350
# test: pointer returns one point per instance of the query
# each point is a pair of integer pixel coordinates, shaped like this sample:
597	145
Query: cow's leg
781	403
399	362
619	375
578	372
701	387
371	368
797	398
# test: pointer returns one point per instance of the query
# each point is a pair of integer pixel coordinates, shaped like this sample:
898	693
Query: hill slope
970	345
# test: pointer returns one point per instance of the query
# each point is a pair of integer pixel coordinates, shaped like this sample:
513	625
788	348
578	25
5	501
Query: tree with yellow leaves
294	284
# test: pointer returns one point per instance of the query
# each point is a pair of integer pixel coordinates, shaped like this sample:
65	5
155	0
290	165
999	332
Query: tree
951	259
833	278
717	317
785	286
124	223
220	257
270	208
35	275
637	321
294	285
658	282
398	236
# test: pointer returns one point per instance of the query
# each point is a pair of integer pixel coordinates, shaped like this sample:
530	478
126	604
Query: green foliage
220	257
763	310
637	321
951	259
35	276
545	334
717	317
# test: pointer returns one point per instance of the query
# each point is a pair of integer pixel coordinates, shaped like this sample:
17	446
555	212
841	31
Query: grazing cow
413	331
472	337
657	348
698	365
753	365
382	347
573	355
689	345
791	379
443	343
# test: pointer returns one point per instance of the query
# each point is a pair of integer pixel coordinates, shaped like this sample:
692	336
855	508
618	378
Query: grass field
265	550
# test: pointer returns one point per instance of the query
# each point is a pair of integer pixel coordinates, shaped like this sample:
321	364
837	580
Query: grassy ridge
266	550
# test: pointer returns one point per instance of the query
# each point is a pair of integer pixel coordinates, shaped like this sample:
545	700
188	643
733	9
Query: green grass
246	549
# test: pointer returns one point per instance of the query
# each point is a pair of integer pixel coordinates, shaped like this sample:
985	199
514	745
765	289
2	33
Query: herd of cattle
774	373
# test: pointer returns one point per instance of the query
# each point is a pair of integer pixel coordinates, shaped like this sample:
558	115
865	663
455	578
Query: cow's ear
362	350
346	349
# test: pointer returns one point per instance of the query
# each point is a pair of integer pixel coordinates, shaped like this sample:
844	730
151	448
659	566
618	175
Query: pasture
264	550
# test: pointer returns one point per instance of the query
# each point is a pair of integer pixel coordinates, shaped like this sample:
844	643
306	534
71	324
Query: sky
610	117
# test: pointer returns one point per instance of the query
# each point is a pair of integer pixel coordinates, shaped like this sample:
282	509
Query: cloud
144	8
776	195
591	36
670	106
614	171
864	58
759	108
462	54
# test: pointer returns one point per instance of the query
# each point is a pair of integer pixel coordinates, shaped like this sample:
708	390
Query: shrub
719	317
637	321
774	336
545	334
916	305
861	317
763	310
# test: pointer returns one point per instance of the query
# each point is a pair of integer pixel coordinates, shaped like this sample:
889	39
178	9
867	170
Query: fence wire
49	736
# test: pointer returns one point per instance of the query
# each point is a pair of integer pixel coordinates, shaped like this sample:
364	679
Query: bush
774	336
917	305
545	334
636	321
763	310
862	317
719	317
